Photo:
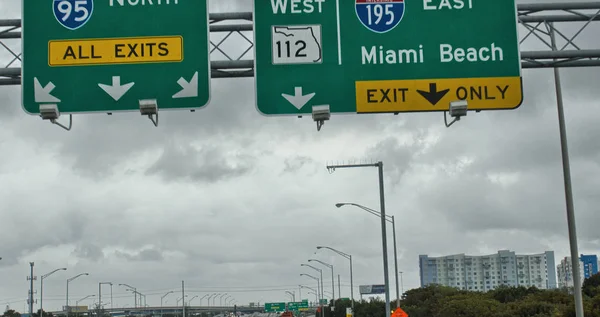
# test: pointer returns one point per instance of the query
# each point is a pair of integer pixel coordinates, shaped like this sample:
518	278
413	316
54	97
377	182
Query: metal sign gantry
539	21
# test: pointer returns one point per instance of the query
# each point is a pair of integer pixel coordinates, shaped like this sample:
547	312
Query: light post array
292	295
379	165
221	299
321	279
332	276
316	297
320	296
231	301
215	298
388	219
349	257
134	293
209	297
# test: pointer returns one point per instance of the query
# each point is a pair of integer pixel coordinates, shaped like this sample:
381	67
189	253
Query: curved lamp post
221	299
388	218
69	281
77	301
349	257
42	286
161	301
332	276
134	294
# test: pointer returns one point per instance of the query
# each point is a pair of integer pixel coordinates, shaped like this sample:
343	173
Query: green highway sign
274	307
385	56
298	306
107	56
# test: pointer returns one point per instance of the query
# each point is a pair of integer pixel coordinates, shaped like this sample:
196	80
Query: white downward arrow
190	89
42	94
298	99
116	91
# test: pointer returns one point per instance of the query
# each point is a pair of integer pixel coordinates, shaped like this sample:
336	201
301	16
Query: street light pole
572	228
161	301
401	282
68	281
314	278
134	294
316	297
292	295
349	257
322	290
201	298
221	299
100	293
379	166
332	277
310	288
77	301
42	288
393	221
209	297
226	299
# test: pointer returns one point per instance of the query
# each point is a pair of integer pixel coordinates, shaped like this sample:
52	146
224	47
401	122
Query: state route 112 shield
73	14
380	16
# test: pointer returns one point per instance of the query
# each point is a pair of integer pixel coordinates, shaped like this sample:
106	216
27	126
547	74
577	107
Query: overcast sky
233	202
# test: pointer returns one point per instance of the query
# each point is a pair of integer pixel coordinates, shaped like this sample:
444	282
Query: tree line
442	301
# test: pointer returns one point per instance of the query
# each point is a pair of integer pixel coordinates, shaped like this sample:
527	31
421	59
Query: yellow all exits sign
115	51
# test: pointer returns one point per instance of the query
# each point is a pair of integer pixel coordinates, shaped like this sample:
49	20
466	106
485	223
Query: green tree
11	313
423	302
44	314
468	305
506	294
591	285
531	308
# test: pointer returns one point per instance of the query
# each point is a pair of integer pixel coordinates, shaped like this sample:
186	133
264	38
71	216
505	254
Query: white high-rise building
565	272
483	273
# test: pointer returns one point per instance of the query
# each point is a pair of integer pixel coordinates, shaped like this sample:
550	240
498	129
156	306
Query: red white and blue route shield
73	14
380	16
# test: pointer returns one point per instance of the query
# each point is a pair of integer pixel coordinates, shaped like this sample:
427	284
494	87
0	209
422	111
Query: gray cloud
207	164
88	251
141	256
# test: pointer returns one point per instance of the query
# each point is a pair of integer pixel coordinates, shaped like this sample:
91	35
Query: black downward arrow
433	95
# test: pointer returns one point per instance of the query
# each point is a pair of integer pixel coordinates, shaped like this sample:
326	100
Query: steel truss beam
537	20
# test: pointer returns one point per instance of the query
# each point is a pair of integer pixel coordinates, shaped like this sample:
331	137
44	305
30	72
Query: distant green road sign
292	306
274	307
106	56
367	56
298	306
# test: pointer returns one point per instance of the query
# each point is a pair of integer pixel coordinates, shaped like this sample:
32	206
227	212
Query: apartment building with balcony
487	272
